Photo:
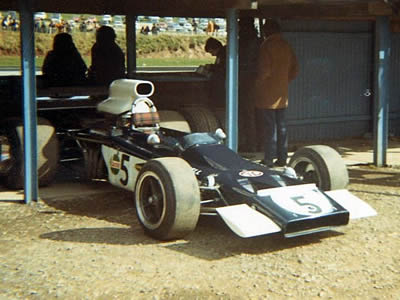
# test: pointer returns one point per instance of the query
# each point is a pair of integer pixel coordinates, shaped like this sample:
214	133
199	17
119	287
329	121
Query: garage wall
394	105
331	97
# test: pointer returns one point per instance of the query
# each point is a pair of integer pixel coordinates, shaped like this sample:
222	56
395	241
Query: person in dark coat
249	44
215	48
63	65
217	70
108	60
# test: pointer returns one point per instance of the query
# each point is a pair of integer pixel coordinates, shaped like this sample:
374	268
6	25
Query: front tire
167	198
321	165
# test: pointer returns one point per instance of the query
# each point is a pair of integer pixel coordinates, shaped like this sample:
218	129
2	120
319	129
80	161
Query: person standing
277	66
108	60
63	65
217	70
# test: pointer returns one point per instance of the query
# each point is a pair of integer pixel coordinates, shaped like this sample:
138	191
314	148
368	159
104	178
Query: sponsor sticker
115	164
251	173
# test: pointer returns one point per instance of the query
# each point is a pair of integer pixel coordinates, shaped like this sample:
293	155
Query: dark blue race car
177	175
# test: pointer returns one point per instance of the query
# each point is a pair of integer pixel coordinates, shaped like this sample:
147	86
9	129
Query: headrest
122	94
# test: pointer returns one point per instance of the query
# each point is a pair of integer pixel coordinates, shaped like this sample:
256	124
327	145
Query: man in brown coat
277	66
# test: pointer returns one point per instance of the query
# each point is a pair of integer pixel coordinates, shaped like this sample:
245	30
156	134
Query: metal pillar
381	88
29	100
131	45
232	83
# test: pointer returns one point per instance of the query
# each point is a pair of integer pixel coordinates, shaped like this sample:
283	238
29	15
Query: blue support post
29	100
231	83
131	45
381	88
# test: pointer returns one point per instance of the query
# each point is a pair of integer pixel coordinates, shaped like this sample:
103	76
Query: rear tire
173	120
48	152
321	165
95	167
167	198
200	119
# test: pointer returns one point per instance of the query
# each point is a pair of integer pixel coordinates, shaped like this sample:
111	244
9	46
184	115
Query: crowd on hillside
51	26
9	22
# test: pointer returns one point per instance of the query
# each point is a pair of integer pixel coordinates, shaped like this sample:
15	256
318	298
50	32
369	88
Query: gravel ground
84	242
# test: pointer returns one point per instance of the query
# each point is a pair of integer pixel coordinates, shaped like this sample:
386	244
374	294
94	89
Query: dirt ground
82	241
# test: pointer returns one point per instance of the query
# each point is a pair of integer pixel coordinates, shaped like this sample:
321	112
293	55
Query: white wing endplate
357	207
247	222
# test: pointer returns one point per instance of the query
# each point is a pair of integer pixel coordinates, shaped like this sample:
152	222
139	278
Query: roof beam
323	9
134	7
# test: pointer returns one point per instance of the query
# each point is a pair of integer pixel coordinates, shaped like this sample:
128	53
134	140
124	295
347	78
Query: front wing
309	212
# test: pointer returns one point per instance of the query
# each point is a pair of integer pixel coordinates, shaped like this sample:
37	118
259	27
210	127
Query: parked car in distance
106	20
56	17
40	15
182	21
188	27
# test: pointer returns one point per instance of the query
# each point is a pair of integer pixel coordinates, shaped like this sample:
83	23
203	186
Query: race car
176	175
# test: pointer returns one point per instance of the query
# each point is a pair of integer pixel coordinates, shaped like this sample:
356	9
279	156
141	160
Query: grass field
160	50
15	61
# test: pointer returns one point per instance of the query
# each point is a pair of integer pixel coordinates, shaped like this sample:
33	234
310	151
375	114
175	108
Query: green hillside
162	49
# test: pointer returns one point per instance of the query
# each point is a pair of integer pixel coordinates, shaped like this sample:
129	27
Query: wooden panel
156	7
330	10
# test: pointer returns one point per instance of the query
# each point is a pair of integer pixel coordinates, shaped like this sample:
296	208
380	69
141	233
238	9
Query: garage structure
343	46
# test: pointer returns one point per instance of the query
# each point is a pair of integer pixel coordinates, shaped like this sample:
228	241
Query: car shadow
371	176
101	235
211	240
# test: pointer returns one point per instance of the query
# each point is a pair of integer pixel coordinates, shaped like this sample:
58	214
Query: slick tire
47	158
321	165
167	198
173	120
200	119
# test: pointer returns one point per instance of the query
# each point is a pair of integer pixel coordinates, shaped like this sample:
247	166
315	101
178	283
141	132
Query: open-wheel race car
176	175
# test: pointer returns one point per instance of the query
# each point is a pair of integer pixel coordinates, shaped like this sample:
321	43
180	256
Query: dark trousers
276	138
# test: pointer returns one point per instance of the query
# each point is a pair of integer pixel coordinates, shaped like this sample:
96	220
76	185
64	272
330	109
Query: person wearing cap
277	66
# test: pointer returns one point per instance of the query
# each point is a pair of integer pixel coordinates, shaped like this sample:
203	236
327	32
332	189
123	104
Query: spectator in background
63	65
43	27
14	25
215	48
154	29
4	23
217	71
210	27
194	25
108	60
52	27
83	27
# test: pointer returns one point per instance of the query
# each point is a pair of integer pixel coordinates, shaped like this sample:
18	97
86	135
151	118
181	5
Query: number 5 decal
310	207
125	158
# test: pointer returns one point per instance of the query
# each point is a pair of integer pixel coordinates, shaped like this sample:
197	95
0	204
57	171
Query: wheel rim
308	171
6	159
150	200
